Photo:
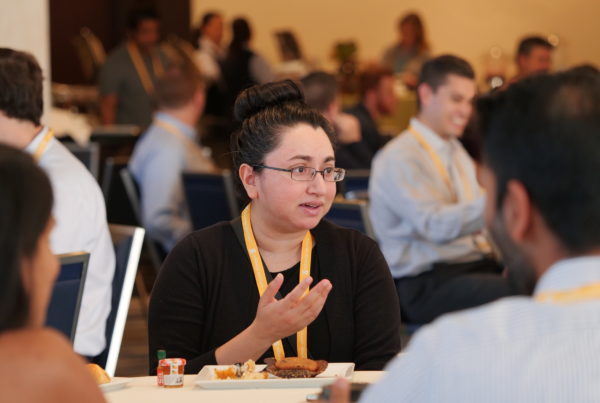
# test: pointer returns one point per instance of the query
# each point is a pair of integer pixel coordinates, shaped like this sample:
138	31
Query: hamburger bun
99	375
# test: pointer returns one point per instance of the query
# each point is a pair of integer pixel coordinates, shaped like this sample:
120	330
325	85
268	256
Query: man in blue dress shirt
169	147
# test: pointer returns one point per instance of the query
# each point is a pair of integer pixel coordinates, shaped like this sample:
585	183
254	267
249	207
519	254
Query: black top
236	75
372	139
206	294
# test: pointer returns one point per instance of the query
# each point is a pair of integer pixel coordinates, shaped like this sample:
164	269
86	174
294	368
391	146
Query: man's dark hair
176	87
544	132
370	78
528	43
320	90
435	71
137	15
21	93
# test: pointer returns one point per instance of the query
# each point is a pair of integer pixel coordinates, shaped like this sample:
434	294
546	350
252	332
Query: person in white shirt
167	149
79	207
540	169
210	54
427	206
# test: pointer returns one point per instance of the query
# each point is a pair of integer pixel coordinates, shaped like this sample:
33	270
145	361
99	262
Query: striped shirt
512	350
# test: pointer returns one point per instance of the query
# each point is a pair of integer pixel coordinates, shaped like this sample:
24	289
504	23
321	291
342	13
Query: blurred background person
216	125
426	204
210	54
243	67
128	76
534	55
321	93
38	364
377	99
411	51
167	149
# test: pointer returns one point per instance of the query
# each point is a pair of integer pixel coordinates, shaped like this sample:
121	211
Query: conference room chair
355	185
132	191
210	198
119	209
63	310
89	155
127	242
351	214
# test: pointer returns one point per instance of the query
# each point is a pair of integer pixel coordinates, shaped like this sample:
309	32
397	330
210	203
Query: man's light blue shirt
514	350
159	159
416	217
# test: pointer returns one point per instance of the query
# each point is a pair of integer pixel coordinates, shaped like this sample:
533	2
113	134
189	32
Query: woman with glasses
36	364
279	280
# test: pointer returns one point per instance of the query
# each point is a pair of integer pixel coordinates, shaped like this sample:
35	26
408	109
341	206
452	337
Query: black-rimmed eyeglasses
303	173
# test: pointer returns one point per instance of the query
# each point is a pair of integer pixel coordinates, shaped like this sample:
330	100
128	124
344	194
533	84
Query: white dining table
144	389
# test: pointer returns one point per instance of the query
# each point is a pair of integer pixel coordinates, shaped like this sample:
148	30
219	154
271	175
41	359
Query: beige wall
465	27
24	25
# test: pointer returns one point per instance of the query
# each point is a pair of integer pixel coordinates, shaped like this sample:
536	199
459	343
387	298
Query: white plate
114	384
334	370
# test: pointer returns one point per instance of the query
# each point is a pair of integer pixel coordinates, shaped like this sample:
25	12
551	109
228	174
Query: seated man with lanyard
427	206
79	208
167	149
128	76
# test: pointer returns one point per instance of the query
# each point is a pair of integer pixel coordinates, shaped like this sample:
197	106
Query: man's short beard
521	273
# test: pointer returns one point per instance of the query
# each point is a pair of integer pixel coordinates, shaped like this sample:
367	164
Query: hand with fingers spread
277	319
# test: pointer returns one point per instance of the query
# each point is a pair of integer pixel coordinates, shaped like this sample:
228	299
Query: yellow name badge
261	278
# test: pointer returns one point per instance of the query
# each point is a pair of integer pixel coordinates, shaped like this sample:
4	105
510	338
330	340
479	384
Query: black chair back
210	198
355	185
132	191
63	310
119	209
351	214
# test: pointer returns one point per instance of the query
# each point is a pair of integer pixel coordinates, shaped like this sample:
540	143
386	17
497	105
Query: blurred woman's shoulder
40	365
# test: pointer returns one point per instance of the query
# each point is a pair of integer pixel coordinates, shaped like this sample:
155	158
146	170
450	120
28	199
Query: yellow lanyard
140	67
586	292
261	278
37	154
439	165
171	129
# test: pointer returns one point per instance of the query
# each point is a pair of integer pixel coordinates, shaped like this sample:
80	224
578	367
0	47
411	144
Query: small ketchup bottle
160	380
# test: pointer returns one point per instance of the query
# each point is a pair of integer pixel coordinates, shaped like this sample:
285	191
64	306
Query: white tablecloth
144	389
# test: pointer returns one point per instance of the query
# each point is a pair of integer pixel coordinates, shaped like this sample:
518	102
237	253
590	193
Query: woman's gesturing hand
276	319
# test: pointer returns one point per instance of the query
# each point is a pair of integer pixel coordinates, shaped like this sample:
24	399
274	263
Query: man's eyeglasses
303	173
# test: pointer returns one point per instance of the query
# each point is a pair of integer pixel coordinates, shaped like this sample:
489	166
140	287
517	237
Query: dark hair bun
254	99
